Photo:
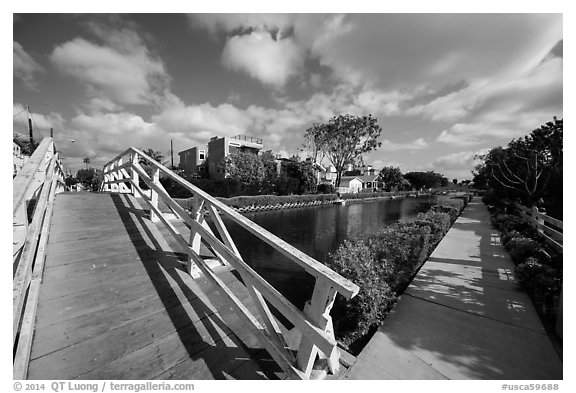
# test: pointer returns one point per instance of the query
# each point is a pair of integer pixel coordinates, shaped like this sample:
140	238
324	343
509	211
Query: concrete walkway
463	317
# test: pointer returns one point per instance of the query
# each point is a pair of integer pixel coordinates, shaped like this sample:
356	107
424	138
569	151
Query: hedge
383	264
538	270
380	263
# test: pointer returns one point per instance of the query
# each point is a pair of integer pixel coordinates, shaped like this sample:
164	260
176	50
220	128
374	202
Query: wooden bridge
109	286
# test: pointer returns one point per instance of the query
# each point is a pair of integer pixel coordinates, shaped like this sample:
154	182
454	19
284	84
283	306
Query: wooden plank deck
115	303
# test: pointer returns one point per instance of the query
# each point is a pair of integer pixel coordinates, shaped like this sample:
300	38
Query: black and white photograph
372	196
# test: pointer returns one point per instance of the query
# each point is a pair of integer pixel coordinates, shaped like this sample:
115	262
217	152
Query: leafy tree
313	142
527	167
28	147
153	154
428	179
391	176
246	168
303	172
344	138
270	172
90	178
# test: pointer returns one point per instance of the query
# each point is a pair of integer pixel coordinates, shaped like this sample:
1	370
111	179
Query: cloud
240	22
460	160
271	61
25	67
417	144
457	165
384	102
41	123
121	71
201	122
396	51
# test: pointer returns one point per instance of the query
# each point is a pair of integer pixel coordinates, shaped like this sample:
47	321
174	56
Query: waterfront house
350	185
193	160
220	148
198	160
371	182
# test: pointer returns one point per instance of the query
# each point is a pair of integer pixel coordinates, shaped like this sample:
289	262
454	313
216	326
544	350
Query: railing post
198	216
154	194
318	310
559	318
135	176
537	219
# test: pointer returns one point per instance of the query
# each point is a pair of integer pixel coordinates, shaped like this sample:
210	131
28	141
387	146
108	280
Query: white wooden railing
123	175
552	235
549	228
39	180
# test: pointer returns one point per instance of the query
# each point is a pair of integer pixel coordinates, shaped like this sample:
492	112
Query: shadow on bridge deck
116	303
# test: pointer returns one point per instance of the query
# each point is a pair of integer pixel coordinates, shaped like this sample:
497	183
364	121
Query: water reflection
317	231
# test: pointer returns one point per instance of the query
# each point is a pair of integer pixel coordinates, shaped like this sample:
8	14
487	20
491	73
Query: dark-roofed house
371	183
350	185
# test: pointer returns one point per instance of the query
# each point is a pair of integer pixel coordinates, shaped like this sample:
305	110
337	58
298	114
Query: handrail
124	173
553	237
41	178
552	233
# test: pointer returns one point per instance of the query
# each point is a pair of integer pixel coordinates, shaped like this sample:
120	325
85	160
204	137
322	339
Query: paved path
463	317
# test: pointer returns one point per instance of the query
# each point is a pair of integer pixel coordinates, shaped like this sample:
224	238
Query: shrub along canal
317	231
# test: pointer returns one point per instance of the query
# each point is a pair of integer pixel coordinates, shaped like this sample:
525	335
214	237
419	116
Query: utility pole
30	126
172	153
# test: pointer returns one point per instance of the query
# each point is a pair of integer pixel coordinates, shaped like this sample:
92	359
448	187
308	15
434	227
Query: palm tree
86	161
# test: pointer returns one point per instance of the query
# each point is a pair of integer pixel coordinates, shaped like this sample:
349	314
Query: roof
366	178
18	141
345	180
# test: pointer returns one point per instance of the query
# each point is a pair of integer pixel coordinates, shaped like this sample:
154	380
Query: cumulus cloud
41	122
417	144
457	165
203	121
502	109
122	70
385	102
25	67
272	61
460	160
240	22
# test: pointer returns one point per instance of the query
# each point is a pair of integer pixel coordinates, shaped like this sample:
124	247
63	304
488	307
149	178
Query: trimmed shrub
452	211
382	264
325	189
534	275
521	249
509	222
438	222
357	261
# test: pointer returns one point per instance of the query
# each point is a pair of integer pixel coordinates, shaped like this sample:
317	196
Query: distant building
193	160
371	183
328	175
220	148
350	185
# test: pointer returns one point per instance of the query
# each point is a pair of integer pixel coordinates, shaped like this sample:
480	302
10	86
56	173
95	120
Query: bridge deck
115	303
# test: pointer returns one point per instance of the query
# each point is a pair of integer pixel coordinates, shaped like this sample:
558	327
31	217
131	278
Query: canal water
317	231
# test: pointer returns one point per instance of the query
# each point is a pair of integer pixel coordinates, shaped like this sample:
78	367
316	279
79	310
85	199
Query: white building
18	158
350	185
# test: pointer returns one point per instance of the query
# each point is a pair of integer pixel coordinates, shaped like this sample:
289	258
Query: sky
444	87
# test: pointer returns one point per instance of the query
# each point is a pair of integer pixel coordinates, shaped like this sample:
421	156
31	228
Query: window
201	155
